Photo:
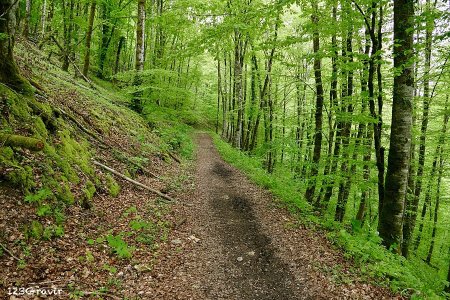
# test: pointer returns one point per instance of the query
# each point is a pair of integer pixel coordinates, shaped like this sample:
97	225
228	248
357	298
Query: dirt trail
239	243
253	269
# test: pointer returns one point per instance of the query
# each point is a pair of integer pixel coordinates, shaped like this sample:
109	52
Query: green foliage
34	230
110	269
44	210
53	231
113	186
89	190
41	195
119	246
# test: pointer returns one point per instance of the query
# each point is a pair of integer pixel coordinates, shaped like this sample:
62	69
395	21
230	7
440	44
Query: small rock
176	241
120	274
251	253
86	272
194	239
240	258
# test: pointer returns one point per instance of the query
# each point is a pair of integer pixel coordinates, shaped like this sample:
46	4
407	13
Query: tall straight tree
140	53
88	38
319	106
392	210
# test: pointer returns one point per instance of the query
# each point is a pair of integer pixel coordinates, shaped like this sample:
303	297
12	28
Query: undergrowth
411	278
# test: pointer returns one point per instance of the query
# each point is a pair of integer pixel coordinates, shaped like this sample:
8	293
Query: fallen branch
21	141
9	252
134	181
174	158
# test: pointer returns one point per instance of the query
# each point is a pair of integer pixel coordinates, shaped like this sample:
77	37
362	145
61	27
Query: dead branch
174	158
134	181
9	252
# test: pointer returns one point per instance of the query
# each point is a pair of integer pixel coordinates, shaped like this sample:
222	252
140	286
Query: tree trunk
219	88
9	72
344	186
43	18
68	26
104	42
238	88
309	194
140	55
391	214
13	140
423	128
331	163
119	51
26	24
88	38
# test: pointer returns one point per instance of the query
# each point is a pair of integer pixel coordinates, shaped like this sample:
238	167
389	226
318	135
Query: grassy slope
408	277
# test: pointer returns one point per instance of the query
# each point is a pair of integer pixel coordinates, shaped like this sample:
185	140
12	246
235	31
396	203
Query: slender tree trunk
140	55
367	135
43	18
344	186
238	88
224	99
331	163
391	214
106	27
26	24
309	194
219	88
436	210
119	51
87	55
67	26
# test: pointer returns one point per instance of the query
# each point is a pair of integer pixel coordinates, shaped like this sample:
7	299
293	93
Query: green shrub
119	246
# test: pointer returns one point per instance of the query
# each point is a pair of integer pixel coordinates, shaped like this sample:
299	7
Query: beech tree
392	210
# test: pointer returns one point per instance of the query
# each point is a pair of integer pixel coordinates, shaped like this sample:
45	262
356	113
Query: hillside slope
63	221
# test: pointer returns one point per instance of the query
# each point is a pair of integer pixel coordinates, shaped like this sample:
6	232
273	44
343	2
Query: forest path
247	265
239	242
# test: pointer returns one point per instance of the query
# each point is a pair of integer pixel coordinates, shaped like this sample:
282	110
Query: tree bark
309	194
26	24
87	55
9	72
423	130
392	210
43	18
140	55
119	51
